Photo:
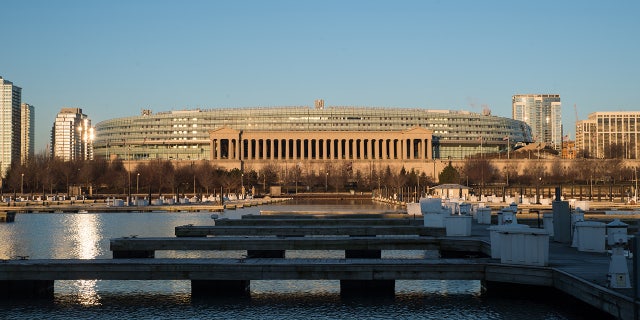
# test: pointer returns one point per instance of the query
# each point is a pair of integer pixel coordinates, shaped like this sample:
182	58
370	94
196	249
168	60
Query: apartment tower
542	113
27	122
72	135
10	99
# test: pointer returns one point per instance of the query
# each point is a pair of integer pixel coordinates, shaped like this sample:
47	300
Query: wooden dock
581	275
7	216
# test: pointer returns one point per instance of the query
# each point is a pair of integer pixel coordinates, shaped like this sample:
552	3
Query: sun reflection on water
87	235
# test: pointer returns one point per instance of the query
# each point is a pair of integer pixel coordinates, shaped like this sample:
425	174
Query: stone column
384	148
286	148
295	149
411	149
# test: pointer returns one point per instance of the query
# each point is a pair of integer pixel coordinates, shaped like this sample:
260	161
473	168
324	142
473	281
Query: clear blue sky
114	58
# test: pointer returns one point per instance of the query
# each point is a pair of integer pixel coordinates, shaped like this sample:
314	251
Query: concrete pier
581	275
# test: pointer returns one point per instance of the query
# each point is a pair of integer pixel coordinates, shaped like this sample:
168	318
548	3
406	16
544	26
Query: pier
362	270
89	206
7	216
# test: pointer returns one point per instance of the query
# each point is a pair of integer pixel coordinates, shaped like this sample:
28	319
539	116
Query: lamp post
242	184
434	170
326	180
635	191
137	183
538	191
21	184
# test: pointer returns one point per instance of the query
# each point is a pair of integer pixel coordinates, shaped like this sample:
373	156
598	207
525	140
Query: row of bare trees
45	176
578	171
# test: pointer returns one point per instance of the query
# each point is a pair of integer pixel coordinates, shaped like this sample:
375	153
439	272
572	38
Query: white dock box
458	225
432	212
434	220
484	215
495	238
590	236
524	246
547	222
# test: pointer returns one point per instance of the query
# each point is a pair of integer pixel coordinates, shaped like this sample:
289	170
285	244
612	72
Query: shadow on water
298	305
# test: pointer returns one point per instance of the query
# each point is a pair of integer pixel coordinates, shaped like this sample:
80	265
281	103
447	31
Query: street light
137	183
538	190
22	184
326	178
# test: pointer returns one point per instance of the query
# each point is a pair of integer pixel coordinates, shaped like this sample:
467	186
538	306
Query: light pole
326	180
21	184
242	184
137	183
538	191
434	170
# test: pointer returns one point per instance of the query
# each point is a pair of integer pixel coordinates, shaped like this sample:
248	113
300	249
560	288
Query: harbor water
86	236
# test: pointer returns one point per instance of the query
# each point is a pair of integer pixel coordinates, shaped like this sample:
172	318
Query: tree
534	173
449	175
479	171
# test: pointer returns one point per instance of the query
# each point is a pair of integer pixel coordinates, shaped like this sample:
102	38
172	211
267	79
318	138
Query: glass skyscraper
72	135
542	113
10	99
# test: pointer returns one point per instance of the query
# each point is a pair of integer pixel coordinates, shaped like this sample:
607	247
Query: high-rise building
72	135
609	135
27	122
10	98
542	113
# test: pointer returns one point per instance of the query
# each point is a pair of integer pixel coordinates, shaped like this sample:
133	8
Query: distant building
569	149
542	113
10	99
27	119
72	135
311	136
613	134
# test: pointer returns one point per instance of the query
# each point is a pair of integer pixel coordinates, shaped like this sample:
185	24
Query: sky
115	58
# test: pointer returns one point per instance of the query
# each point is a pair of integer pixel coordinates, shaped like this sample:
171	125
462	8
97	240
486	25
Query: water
86	236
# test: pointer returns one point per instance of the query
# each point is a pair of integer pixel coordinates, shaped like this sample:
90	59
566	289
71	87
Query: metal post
636	272
21	184
326	180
